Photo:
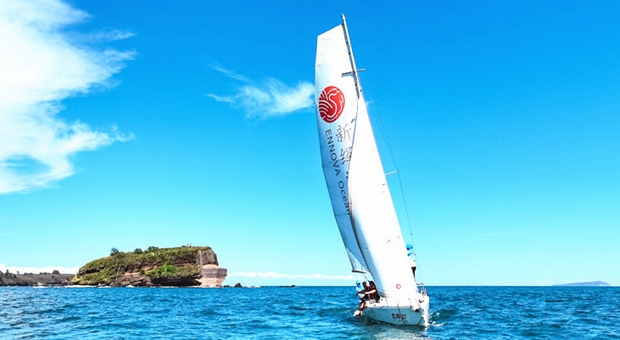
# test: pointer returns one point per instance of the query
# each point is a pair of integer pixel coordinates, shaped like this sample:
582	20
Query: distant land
584	284
28	279
184	266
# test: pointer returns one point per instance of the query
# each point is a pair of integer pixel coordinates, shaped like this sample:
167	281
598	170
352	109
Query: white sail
374	218
336	102
357	185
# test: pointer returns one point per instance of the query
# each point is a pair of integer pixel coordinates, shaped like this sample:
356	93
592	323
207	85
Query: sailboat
357	186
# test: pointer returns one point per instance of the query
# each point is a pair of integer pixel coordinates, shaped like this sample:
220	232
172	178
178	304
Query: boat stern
410	313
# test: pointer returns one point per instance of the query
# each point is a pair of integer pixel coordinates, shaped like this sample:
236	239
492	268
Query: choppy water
303	313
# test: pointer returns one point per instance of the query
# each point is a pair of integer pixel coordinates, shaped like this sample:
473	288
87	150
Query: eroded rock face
212	275
206	257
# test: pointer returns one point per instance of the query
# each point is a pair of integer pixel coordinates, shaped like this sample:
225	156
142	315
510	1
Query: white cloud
101	36
41	63
274	275
231	74
268	98
36	270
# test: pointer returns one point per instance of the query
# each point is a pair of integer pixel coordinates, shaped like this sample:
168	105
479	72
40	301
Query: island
584	284
183	266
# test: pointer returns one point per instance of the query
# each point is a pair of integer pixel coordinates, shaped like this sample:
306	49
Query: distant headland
183	266
584	284
54	278
178	267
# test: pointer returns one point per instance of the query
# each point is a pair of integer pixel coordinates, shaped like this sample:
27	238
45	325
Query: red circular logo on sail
331	104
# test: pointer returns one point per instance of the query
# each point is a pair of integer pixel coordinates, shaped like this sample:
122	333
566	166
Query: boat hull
398	314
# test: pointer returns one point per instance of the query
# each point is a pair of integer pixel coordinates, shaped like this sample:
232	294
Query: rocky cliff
180	267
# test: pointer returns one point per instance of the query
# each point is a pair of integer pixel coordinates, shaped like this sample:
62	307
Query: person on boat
372	293
411	259
364	298
359	288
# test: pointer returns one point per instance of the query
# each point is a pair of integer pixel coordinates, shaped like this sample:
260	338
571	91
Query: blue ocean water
303	313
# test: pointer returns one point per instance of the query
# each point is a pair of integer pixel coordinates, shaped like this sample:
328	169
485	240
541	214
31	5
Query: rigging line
402	193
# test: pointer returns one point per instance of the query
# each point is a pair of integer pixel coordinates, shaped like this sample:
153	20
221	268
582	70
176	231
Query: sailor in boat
369	295
373	294
363	299
359	288
411	259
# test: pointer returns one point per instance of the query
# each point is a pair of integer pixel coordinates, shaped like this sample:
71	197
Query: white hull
409	314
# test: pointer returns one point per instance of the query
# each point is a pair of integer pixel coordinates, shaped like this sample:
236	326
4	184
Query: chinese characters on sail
339	146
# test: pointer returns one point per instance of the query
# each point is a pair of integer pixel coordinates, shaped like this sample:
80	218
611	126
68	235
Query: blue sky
135	123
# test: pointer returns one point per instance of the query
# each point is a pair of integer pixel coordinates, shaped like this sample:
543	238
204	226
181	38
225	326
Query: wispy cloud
101	36
274	275
231	74
37	270
41	64
268	98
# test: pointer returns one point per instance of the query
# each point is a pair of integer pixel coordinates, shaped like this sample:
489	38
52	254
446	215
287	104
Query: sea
303	313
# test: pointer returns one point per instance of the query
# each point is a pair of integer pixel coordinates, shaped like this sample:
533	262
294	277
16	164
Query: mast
358	93
347	39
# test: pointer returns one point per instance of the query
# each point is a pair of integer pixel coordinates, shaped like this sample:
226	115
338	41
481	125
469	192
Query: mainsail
354	174
337	110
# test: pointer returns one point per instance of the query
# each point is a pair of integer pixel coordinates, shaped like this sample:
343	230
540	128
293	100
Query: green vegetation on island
180	266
